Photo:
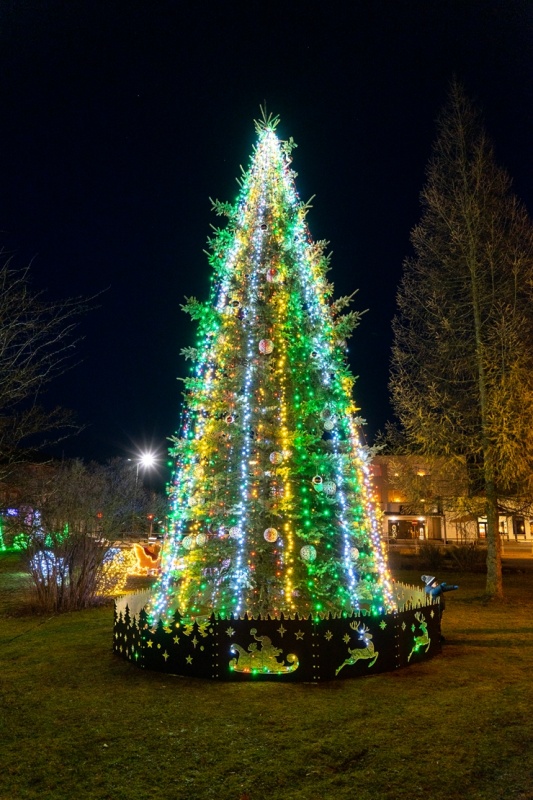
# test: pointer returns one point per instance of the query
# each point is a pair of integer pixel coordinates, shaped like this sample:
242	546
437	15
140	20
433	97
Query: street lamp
144	461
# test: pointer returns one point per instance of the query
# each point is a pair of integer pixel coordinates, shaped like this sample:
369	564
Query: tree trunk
494	586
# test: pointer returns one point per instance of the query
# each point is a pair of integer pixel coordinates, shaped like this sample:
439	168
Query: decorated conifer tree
272	507
273	566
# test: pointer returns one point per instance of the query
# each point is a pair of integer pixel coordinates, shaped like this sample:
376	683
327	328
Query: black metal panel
334	648
179	648
127	638
265	649
418	634
356	646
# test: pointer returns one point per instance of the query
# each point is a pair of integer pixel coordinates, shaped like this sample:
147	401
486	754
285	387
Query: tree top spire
267	121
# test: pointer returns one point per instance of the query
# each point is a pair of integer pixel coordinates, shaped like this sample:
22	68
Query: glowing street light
144	461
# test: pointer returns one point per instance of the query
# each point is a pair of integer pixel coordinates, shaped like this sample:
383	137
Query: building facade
432	501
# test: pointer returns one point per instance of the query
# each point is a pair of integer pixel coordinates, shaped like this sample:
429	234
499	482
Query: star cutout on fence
282	630
382	624
328	635
300	634
189	659
230	631
194	641
176	639
150	643
165	656
346	638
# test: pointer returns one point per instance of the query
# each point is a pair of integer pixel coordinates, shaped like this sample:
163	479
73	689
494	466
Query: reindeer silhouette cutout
423	640
357	653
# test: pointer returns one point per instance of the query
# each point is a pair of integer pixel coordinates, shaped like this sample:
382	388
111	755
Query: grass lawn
76	722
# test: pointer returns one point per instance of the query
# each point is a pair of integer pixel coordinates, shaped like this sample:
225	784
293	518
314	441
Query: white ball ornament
329	423
201	540
235	532
188	542
354	553
275	458
308	552
330	487
271	535
266	346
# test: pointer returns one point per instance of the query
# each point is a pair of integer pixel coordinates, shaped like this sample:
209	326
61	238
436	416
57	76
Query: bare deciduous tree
36	342
462	364
70	515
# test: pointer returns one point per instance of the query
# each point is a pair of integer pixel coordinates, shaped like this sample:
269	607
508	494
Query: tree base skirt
278	649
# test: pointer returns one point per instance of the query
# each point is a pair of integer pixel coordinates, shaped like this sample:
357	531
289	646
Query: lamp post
144	461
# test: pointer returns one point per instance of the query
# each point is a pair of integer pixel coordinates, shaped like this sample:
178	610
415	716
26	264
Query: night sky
120	119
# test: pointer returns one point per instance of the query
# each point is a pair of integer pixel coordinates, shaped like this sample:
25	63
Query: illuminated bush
47	569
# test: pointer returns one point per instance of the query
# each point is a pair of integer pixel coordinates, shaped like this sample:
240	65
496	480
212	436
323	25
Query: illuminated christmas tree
272	506
273	564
